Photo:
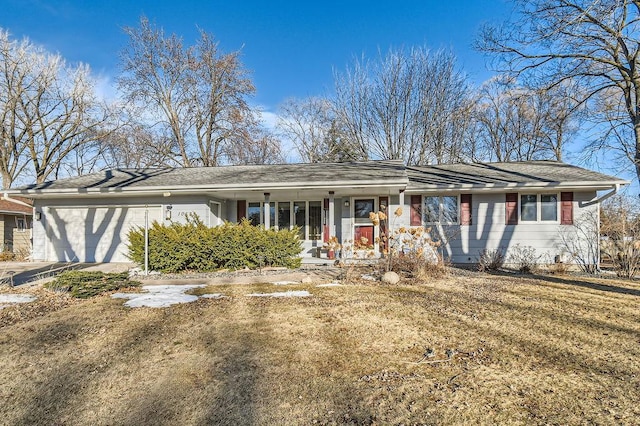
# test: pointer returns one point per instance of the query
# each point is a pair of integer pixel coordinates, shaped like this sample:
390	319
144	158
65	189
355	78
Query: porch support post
331	214
267	211
401	198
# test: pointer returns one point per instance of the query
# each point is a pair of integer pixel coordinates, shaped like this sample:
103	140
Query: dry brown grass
554	350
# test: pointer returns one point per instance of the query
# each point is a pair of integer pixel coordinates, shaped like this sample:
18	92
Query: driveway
21	273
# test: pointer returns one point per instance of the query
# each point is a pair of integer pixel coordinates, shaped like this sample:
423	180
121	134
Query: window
539	207
449	210
284	215
440	209
20	224
315	220
432	209
549	207
300	217
254	214
362	208
307	215
273	219
528	208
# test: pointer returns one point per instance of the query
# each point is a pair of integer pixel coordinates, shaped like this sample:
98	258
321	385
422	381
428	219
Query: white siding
180	211
95	230
92	234
489	231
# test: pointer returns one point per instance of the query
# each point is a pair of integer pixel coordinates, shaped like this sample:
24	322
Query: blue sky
291	47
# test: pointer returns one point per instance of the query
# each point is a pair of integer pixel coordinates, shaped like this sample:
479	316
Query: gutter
597	200
6	196
188	189
498	187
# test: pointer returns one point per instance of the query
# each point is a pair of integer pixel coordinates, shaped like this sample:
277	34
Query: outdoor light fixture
38	215
346	203
168	215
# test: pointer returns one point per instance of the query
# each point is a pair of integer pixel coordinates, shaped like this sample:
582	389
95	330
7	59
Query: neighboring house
15	225
470	207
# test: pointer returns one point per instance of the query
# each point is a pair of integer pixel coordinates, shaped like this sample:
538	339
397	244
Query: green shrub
193	246
83	284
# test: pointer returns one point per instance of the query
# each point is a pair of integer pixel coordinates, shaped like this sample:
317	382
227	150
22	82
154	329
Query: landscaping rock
391	278
307	280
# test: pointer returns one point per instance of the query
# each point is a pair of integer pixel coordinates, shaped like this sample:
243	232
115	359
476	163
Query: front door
364	232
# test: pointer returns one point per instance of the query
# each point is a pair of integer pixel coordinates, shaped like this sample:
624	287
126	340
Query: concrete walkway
256	278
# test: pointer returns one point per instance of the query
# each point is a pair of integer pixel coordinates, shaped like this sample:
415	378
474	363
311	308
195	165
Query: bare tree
308	123
510	125
620	231
197	93
562	113
592	43
445	116
255	146
351	106
137	146
412	105
580	242
48	110
516	123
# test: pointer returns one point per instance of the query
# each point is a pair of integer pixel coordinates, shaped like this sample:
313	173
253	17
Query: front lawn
463	349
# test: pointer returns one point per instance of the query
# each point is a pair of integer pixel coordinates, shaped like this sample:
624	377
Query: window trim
440	222
538	196
363	220
22	228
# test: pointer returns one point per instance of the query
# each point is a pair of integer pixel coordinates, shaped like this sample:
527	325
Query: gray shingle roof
317	174
320	175
528	173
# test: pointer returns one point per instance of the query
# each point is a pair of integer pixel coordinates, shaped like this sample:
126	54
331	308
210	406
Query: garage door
97	234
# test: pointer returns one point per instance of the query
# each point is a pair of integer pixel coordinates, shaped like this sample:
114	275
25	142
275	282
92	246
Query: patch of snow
16	298
213	296
302	293
368	277
160	300
334	284
159	296
171	289
284	282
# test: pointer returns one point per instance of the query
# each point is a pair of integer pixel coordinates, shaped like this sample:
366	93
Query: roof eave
501	187
194	189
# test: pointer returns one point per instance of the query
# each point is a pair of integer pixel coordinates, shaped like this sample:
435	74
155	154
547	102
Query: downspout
597	200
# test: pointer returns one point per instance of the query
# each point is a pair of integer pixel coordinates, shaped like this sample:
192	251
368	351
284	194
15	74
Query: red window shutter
511	209
566	208
241	210
465	209
416	216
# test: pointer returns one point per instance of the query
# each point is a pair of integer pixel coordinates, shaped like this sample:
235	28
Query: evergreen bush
193	246
85	284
